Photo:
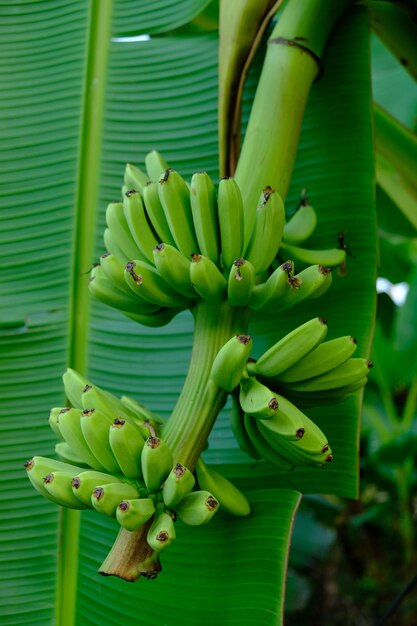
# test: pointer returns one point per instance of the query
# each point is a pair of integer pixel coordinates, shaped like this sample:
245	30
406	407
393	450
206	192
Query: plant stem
291	64
189	426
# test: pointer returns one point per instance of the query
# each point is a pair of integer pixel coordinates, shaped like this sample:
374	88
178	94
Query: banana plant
91	87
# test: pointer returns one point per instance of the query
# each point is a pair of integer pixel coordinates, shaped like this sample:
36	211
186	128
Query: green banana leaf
160	93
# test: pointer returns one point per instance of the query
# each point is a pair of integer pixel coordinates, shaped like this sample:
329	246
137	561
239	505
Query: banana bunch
300	368
169	244
113	460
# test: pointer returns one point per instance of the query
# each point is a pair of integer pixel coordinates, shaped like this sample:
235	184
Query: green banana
256	399
40	466
133	514
230	214
207	279
71	429
95	428
156	214
134	178
84	483
329	258
229	497
174	269
290	349
240	283
67	455
105	291
310	283
268	295
113	248
106	402
139	226
107	497
230	362
160	317
324	358
262	446
141	411
350	372
328	396
145	281
178	483
155	164
74	384
58	485
288	421
175	199
267	233
126	443
197	507
302	224
156	462
120	232
162	532
114	271
205	218
238	427
53	420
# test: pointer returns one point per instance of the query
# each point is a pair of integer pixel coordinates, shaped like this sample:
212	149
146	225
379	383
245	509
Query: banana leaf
62	161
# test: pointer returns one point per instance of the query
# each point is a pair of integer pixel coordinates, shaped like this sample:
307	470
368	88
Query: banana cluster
302	368
170	243
114	459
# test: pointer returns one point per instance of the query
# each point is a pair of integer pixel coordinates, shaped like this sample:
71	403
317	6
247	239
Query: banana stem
201	400
187	429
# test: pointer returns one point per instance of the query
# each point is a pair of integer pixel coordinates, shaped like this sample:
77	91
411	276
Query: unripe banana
196	508
205	218
241	282
141	412
106	498
58	485
120	232
161	317
102	289
134	178
105	402
256	399
302	224
230	362
178	483
327	396
230	212
267	234
268	295
74	384
238	427
156	461
126	443
53	420
84	483
67	455
262	445
230	498
133	514
288	421
161	533
324	358
113	248
139	226
293	451
114	271
350	372
156	214
95	428
207	279
145	281
175	198
70	424
174	269
155	164
39	466
312	282
329	258
290	349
